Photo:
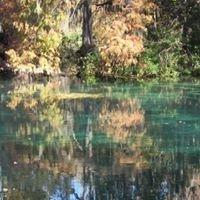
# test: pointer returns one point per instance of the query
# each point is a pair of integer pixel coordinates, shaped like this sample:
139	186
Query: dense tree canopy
125	38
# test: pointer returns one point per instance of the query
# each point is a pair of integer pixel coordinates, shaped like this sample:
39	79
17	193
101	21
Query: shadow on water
107	142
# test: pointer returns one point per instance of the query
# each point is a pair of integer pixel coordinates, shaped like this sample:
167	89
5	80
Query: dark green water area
62	141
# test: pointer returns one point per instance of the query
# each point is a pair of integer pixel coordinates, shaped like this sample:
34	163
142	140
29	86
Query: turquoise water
104	142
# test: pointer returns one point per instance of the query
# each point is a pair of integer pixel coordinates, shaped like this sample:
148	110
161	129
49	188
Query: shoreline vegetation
95	40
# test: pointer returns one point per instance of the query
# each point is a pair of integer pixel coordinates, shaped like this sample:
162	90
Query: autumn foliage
34	34
120	32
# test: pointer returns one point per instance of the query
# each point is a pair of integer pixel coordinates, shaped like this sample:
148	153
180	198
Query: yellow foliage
35	34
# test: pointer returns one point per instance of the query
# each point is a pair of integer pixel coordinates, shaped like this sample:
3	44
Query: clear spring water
123	142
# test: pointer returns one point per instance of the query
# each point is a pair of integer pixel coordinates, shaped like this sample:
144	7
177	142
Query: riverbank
130	41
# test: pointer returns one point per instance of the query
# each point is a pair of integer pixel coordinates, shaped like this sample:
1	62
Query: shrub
70	60
90	67
163	55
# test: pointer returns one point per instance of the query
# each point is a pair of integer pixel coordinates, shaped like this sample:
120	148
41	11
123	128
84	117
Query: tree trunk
87	40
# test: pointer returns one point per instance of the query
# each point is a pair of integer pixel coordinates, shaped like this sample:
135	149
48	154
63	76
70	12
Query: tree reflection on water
89	146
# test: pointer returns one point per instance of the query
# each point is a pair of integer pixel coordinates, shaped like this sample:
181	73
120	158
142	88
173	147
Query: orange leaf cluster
120	32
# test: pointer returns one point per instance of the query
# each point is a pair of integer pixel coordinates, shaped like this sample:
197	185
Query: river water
102	142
